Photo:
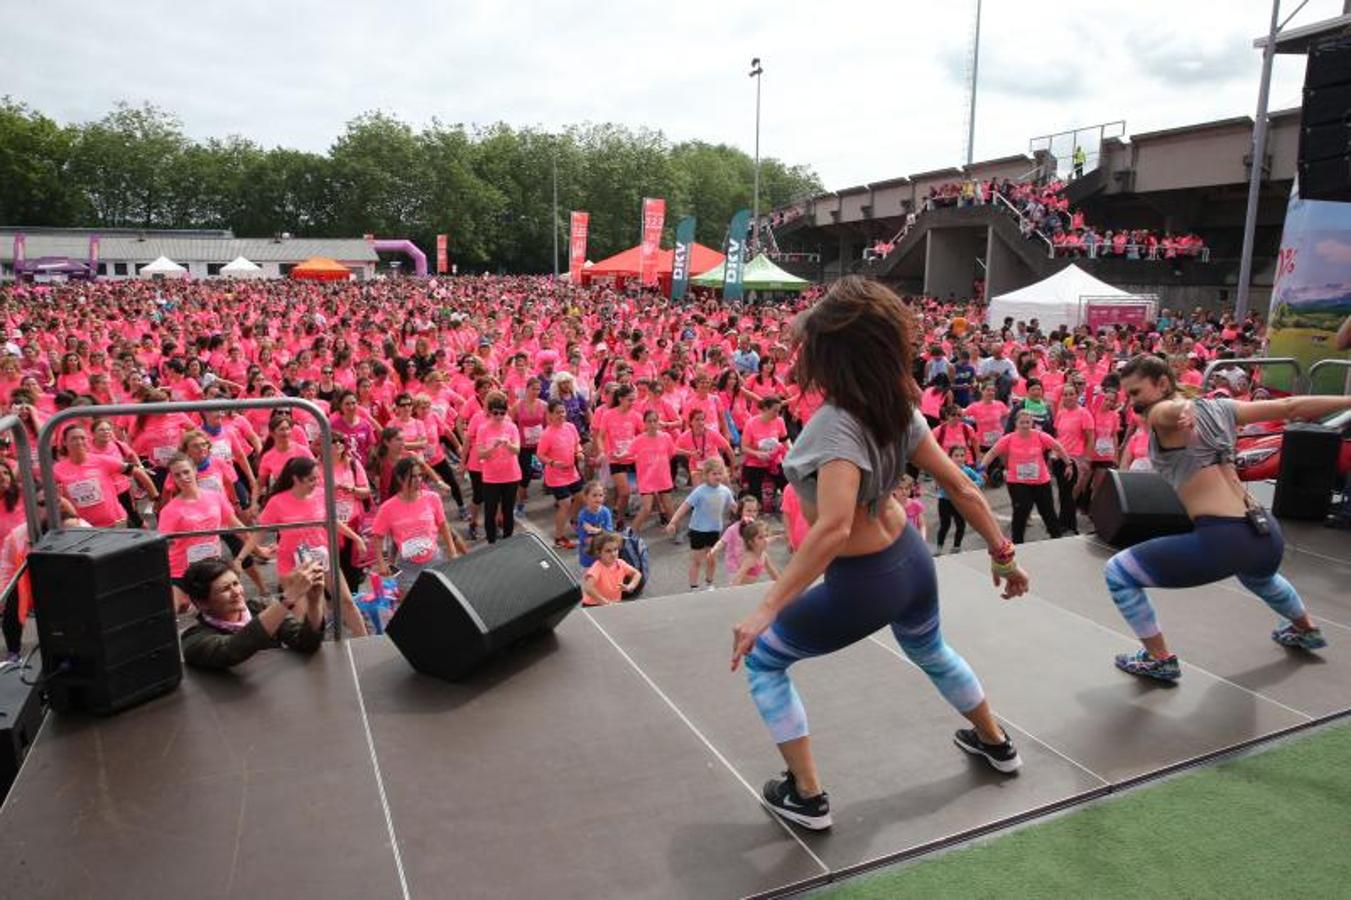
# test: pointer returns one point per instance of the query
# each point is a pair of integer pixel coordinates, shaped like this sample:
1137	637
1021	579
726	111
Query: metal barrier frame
140	409
1313	372
1215	364
28	492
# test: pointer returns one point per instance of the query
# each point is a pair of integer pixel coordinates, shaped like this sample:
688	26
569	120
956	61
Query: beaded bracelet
1003	553
1003	569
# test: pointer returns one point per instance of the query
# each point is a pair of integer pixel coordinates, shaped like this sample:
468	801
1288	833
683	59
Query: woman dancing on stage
1191	443
855	348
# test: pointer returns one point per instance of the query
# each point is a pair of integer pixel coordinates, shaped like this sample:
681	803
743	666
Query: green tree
34	154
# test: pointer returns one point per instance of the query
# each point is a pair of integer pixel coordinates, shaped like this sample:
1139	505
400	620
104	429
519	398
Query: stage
620	758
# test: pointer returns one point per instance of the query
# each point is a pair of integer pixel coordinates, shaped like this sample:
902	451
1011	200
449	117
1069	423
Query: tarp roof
321	268
701	260
760	274
241	266
1055	300
163	266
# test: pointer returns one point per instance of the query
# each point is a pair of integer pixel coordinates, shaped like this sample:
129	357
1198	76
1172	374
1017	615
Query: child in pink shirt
652	452
609	576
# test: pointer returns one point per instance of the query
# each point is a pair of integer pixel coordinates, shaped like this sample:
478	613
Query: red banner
654	218
1106	314
442	256
581	221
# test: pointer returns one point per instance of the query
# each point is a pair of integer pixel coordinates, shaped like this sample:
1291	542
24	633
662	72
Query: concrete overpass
1192	178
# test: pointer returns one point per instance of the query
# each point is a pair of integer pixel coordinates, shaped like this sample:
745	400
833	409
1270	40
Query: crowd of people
451	402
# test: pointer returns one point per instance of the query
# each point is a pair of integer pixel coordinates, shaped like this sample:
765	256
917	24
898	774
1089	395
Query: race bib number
1141	465
221	450
990	437
532	434
344	510
205	550
768	445
162	455
312	431
85	492
1104	446
416	549
622	448
211	483
1029	471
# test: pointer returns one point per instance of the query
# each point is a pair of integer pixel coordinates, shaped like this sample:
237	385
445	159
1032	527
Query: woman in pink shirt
294	499
528	414
699	443
87	481
414	521
192	509
614	433
284	447
497	444
764	443
104	442
1075	428
653	451
989	415
560	453
1029	478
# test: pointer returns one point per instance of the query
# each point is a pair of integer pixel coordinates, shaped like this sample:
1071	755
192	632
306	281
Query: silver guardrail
1253	361
141	409
1331	364
28	495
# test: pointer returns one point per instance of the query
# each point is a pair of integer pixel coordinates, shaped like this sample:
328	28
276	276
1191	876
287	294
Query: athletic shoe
1142	664
464	514
1290	636
1004	757
473	531
520	509
781	796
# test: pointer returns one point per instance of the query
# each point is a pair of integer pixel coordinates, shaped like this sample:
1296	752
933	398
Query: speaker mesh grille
509	580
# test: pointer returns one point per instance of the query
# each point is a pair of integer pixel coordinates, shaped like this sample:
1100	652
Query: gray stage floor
619	757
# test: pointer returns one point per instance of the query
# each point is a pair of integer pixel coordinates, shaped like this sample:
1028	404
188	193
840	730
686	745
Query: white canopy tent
1057	300
163	267
239	267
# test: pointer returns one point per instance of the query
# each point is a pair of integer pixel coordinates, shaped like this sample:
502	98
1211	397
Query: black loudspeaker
21	714
1325	122
1130	507
1308	473
458	614
105	618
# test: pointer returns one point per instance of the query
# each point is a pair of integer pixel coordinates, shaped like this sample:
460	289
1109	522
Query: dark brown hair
1149	366
855	347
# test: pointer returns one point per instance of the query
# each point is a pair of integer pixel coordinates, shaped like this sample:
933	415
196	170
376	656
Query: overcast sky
859	91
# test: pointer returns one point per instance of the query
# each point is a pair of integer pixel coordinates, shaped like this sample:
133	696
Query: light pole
756	72
1259	148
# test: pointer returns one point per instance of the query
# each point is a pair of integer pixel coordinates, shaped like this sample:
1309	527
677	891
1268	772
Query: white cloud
1336	252
860	91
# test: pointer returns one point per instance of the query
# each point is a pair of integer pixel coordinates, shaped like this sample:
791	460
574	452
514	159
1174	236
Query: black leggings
947	514
1024	497
1065	477
134	519
499	496
754	478
447	473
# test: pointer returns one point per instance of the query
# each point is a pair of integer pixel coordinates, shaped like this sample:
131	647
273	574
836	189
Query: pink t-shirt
1070	428
1026	456
558	444
287	507
793	519
703	446
620	428
608	581
989	418
209	510
89	487
413	526
274	460
1105	426
501	465
652	456
764	436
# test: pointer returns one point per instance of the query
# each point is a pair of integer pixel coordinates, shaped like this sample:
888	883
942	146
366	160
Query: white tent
239	267
163	267
1058	300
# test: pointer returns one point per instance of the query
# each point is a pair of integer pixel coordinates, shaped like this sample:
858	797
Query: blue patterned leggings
860	594
1220	546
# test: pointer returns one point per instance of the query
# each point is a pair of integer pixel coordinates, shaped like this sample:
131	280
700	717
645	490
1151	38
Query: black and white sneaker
1004	757
781	795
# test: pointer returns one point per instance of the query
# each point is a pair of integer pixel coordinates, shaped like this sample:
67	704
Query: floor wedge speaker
1130	507
458	614
105	617
1308	473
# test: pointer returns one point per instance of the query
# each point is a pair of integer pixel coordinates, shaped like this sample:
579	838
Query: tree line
490	188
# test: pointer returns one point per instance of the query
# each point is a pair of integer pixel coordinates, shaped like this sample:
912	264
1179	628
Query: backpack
634	552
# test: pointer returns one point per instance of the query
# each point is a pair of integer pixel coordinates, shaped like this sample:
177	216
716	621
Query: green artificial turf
1273	825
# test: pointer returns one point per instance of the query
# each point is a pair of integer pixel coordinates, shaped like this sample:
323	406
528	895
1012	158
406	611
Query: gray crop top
833	433
1209	443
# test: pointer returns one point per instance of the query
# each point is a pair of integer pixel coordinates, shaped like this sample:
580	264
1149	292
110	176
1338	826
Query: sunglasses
497	412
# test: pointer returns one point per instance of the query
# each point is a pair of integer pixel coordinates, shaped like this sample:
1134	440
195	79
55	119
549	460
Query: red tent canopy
625	265
321	268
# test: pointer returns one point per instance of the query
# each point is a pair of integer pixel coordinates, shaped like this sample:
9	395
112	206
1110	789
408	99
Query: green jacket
209	647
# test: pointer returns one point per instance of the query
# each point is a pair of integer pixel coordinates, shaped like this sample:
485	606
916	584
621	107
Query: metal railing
330	525
1135	251
27	487
1255	362
1331	364
998	198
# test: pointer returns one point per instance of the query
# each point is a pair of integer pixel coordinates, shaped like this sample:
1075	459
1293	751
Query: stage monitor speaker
1324	162
460	613
105	617
21	714
1130	507
1308	473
